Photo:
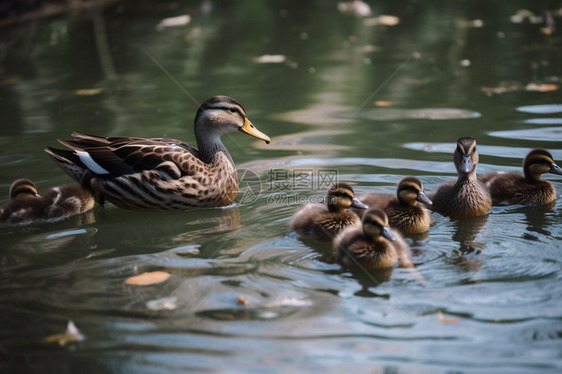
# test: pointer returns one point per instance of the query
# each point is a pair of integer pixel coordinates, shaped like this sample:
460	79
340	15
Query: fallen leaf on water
468	24
382	20
524	15
541	87
443	319
88	91
243	300
357	7
165	303
383	103
147	279
174	22
503	88
71	335
270	59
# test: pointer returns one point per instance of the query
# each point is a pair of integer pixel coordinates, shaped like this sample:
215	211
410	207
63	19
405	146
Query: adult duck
467	196
529	188
161	173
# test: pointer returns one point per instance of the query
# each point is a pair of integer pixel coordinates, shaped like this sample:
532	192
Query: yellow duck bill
249	129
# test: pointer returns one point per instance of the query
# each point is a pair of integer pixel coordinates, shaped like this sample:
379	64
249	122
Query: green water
497	278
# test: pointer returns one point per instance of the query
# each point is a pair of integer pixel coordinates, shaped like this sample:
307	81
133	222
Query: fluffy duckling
161	173
324	221
403	211
530	188
373	245
26	205
466	197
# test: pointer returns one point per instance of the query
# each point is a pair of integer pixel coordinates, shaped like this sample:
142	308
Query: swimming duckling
324	221
403	211
373	245
530	188
161	173
465	197
26	205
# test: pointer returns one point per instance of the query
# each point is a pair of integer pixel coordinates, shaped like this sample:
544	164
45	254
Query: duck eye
233	110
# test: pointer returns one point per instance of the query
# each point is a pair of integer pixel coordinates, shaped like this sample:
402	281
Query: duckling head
23	187
341	197
466	156
537	162
410	191
375	224
221	114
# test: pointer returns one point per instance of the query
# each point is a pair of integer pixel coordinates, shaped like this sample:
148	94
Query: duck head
537	162
341	197
23	188
410	191
466	156
375	224
221	114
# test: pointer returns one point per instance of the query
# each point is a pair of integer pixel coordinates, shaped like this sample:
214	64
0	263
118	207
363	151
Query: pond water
359	99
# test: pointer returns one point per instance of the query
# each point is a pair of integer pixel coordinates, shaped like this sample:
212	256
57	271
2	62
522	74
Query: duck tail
71	164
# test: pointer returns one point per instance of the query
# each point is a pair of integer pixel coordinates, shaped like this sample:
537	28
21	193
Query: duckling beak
251	130
422	198
385	232
466	164
555	169
358	204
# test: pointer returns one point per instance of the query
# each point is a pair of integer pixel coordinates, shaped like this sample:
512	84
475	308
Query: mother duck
159	173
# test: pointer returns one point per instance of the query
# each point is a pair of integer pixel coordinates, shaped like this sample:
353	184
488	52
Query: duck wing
116	156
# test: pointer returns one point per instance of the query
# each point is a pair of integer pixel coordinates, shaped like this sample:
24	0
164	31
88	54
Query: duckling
324	221
403	211
374	245
160	173
26	205
530	188
466	197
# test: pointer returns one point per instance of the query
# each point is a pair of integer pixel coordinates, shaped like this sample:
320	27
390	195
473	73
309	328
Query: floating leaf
88	91
165	303
541	87
174	22
383	103
357	7
243	300
468	24
382	20
502	88
71	335
270	59
149	278
524	15
443	319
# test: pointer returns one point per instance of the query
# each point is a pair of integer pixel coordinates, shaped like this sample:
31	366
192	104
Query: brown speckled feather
461	199
56	203
353	248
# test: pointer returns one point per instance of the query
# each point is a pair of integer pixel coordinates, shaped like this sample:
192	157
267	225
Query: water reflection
465	232
325	108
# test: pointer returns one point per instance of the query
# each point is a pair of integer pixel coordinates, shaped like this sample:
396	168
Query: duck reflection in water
465	234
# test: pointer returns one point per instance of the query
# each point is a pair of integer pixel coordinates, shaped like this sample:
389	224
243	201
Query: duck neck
467	176
209	145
